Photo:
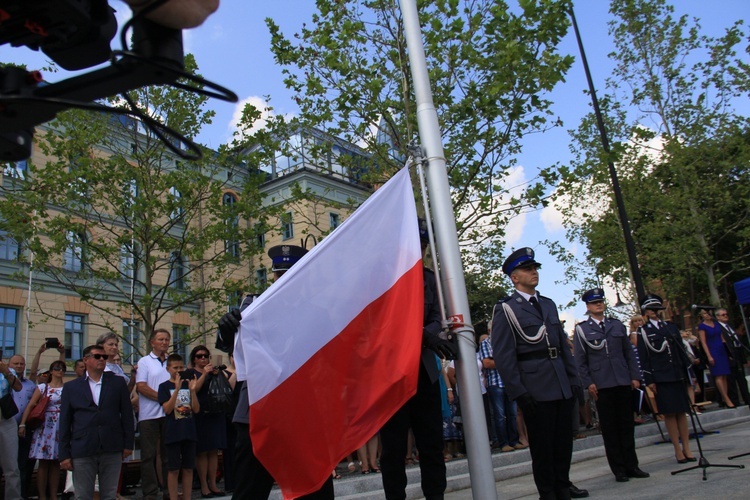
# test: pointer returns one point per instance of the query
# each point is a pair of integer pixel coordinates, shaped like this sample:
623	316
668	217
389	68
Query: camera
221	367
52	343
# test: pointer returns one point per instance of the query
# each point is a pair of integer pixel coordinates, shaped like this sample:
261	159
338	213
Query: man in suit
737	359
609	371
531	353
96	427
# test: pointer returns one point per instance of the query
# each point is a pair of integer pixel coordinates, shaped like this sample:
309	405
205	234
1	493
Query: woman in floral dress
44	442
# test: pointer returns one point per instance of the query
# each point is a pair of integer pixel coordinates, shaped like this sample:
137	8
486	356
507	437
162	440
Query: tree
681	151
490	68
110	215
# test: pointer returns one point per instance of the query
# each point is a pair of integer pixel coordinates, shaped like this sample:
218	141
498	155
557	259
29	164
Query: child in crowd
178	398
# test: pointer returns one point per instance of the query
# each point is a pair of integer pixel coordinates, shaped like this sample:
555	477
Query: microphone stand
703	462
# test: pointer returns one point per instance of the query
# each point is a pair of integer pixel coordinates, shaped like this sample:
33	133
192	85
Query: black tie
537	306
601	325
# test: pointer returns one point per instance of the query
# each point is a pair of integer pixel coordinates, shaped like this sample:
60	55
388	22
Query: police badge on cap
593	295
285	256
652	301
523	257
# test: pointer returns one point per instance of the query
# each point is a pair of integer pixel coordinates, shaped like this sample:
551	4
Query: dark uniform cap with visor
593	295
652	301
523	257
285	256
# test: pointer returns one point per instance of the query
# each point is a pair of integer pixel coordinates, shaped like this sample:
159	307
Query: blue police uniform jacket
671	364
545	379
611	362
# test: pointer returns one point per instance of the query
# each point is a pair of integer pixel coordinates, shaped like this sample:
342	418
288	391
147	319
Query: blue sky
232	49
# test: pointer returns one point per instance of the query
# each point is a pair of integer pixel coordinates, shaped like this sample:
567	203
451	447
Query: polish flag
331	350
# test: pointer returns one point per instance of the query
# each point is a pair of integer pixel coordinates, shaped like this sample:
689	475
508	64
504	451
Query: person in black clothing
252	480
422	413
665	364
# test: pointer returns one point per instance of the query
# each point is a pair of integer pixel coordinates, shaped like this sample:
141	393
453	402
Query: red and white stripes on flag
331	350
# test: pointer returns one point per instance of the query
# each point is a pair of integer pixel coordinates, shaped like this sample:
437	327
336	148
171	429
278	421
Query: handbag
8	406
219	394
36	416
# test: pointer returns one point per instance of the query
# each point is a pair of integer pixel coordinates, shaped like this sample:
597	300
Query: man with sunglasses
609	371
96	427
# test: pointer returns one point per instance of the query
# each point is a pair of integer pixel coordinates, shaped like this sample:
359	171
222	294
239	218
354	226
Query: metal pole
629	244
475	427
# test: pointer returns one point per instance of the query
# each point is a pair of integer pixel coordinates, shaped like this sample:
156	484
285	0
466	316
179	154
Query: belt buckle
552	352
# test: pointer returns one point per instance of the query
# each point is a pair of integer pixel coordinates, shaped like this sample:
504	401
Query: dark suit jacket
668	366
544	379
86	429
612	366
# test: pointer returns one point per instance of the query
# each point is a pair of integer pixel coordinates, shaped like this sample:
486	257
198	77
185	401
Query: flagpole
475	426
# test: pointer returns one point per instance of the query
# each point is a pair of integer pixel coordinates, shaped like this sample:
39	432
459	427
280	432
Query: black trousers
735	380
615	409
252	480
551	447
422	413
25	464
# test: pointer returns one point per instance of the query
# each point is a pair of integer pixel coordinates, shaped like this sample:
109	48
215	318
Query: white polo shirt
152	371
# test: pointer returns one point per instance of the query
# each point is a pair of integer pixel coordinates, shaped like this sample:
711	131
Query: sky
232	48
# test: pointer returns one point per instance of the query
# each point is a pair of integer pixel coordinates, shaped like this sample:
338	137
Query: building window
9	247
8	329
131	335
287	226
16	169
74	336
180	341
334	219
73	255
177	271
231	245
175	198
260	236
234	301
128	261
261	277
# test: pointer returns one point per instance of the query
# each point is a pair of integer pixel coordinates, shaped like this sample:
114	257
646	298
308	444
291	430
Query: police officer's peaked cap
593	295
652	301
285	256
523	257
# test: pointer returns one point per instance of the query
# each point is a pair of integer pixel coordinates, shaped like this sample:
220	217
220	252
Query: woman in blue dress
709	331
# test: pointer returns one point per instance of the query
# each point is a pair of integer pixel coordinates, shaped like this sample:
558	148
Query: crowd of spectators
713	346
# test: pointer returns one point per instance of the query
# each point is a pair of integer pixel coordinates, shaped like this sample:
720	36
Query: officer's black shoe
638	473
621	477
578	493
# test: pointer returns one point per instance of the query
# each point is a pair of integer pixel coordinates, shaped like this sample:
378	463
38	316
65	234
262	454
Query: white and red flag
331	350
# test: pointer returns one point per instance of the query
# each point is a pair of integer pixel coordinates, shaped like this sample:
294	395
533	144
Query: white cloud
265	113
551	216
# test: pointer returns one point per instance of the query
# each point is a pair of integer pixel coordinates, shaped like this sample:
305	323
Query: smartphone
187	374
52	342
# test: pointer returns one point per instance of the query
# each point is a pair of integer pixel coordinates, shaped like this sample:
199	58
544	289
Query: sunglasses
99	356
202	356
58	369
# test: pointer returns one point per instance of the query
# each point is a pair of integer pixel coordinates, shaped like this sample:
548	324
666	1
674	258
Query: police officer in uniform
664	363
422	413
252	479
533	357
609	370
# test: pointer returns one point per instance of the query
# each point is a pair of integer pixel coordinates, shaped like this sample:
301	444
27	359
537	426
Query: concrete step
356	486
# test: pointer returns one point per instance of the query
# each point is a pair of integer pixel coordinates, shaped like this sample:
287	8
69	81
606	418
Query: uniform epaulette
503	299
582	322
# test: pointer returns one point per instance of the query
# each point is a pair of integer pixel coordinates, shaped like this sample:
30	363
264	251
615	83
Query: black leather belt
549	353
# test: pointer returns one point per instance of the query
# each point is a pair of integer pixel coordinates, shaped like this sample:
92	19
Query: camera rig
76	34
